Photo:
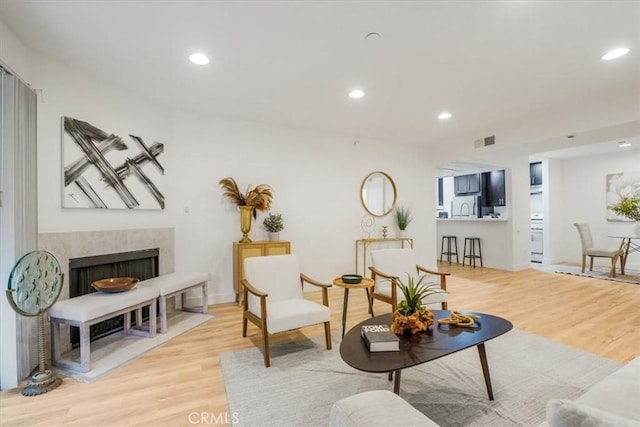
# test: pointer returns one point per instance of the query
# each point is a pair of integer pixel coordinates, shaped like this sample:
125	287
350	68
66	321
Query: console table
365	243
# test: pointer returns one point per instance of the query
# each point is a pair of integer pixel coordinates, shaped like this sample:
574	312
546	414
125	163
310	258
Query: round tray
115	284
352	279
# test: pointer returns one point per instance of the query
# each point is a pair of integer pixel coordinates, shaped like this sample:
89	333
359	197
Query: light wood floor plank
183	379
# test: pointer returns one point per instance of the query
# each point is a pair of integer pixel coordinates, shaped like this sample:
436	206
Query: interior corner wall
553	210
584	200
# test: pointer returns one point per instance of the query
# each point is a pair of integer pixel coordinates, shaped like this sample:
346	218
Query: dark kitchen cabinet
467	184
535	173
495	184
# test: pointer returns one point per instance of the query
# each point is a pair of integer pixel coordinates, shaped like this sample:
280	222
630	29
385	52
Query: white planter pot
274	237
403	234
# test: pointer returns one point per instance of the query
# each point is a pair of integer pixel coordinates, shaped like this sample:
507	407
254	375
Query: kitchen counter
494	234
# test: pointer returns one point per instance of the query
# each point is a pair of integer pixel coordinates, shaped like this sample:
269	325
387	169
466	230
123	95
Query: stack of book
379	338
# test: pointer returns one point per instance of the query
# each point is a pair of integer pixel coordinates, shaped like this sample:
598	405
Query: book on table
379	338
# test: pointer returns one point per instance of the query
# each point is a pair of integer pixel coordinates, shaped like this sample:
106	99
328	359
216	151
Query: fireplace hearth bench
86	310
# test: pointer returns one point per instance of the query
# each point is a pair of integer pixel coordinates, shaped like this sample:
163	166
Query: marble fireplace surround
78	244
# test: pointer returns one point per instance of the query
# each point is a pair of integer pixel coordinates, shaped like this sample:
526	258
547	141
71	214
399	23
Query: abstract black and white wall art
107	171
618	185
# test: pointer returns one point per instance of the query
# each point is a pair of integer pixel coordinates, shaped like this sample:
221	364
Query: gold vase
246	212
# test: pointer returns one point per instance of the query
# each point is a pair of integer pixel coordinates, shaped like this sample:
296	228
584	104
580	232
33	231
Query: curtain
18	212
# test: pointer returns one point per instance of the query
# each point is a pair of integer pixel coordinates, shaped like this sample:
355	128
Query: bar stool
449	252
472	251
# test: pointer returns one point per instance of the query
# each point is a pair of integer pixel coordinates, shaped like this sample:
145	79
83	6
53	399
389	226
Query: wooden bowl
115	284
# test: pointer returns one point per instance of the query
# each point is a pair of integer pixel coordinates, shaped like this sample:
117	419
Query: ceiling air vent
484	142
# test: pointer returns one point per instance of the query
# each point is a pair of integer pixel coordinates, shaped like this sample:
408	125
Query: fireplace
141	264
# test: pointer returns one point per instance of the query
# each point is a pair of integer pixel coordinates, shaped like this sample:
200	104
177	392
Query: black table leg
396	382
344	309
369	301
485	369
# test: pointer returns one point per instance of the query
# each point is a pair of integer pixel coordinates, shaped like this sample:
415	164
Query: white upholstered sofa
614	401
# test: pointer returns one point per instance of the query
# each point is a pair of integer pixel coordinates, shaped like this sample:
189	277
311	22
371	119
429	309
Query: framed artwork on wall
620	185
107	171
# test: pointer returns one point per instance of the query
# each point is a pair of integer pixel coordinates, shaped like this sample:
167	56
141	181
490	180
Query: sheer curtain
18	220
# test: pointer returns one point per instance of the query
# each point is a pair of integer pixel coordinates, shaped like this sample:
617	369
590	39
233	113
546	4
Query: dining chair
588	249
274	299
390	265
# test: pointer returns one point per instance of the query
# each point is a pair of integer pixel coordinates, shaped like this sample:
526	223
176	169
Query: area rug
630	276
117	350
305	379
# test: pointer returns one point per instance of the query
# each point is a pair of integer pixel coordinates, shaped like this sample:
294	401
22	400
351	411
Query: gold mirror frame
385	207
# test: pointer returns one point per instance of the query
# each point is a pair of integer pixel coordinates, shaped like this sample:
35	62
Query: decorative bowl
115	284
352	279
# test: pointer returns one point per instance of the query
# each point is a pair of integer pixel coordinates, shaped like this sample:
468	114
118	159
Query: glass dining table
627	246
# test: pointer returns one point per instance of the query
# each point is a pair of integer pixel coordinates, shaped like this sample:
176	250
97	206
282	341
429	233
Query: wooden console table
365	244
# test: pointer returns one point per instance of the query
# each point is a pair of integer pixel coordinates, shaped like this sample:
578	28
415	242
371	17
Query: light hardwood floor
180	382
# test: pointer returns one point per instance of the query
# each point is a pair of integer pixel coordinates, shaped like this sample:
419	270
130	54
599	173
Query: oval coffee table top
438	341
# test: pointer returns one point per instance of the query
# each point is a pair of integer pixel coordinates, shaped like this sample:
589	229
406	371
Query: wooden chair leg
584	262
445	306
591	263
265	343
327	334
244	325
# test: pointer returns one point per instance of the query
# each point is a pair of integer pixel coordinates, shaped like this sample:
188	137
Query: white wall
316	180
584	189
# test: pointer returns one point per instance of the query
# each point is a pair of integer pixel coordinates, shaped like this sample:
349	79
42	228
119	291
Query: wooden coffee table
415	349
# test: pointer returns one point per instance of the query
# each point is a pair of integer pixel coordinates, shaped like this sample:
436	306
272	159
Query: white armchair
588	249
274	300
388	265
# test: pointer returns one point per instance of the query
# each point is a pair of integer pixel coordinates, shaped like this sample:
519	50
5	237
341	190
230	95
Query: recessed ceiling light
444	116
623	144
615	53
571	136
199	58
356	94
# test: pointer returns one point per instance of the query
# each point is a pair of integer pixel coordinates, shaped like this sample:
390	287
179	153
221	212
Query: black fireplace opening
141	264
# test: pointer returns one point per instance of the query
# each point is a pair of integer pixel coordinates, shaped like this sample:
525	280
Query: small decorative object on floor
255	199
274	224
459	319
411	316
385	230
379	338
34	286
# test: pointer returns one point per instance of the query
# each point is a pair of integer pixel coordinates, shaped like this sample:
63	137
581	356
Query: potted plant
254	199
403	218
274	224
629	207
411	316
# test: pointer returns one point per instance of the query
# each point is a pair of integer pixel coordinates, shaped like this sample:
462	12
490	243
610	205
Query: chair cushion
291	314
610	252
393	262
276	275
98	304
174	282
376	408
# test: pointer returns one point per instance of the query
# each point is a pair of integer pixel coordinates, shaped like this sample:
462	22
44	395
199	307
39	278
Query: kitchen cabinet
495	188
242	251
535	173
467	184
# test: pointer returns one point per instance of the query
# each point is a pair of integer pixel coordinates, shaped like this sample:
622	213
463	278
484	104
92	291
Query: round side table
365	284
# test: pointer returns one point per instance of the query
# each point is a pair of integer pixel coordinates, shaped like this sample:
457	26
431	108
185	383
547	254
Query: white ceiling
521	70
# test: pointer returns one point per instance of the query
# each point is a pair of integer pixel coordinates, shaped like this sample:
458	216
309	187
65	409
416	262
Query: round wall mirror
378	193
